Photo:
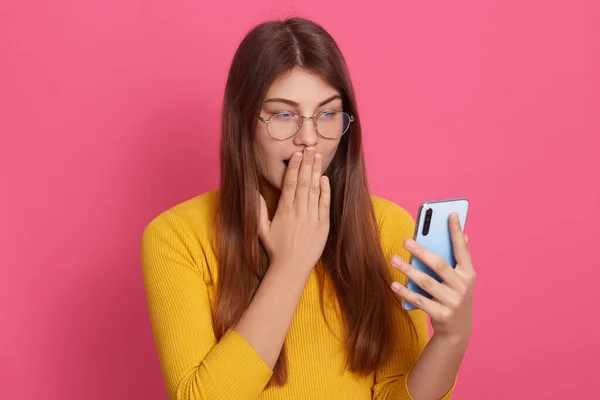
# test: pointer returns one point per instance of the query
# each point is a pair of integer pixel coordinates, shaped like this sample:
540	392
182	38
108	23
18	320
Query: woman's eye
327	114
284	115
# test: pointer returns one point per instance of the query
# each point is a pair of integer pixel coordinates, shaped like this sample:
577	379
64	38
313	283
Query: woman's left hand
451	309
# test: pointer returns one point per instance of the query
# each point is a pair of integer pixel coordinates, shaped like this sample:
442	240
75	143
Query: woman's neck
271	195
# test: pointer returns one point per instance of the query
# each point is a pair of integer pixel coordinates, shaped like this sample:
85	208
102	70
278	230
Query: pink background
109	114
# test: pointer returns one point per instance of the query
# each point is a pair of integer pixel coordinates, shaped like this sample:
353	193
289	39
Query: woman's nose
307	135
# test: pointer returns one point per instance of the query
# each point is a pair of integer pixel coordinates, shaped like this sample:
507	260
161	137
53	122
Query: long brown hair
354	263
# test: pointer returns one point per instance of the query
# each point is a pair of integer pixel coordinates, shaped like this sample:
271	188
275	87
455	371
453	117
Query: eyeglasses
328	124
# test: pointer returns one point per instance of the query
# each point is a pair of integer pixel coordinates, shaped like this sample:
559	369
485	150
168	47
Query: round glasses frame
315	123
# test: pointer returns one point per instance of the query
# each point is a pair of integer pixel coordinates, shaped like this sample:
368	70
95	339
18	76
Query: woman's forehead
301	87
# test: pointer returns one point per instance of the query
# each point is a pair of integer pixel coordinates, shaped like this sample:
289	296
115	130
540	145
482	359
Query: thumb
263	222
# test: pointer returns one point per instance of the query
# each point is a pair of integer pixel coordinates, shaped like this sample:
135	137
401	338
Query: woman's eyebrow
294	104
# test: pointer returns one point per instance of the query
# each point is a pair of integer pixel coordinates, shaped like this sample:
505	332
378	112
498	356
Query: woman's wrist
452	339
287	271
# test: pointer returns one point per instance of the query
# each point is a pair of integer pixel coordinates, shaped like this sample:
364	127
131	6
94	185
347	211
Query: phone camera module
427	222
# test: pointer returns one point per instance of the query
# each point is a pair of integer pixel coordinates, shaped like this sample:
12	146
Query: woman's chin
273	183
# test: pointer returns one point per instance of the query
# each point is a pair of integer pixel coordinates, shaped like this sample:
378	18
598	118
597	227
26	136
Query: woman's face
303	93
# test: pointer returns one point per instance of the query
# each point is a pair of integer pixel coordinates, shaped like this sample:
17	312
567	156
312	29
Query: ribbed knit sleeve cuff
401	392
247	373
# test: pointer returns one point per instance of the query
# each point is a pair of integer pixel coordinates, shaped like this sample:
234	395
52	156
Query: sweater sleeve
411	327
194	365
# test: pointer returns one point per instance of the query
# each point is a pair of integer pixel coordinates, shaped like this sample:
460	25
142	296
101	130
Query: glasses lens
333	124
283	125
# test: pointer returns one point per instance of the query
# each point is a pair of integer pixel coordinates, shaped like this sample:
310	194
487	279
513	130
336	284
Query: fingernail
396	286
409	243
397	261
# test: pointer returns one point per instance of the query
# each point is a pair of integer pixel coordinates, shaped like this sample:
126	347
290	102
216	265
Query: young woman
284	283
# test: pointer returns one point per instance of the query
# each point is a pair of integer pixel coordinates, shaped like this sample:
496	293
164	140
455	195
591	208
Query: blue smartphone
433	232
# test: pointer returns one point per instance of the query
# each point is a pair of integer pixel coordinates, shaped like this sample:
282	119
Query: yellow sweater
180	275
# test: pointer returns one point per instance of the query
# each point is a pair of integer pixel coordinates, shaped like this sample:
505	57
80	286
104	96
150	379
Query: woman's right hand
298	232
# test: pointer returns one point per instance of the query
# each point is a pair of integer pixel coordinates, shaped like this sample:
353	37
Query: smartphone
433	232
